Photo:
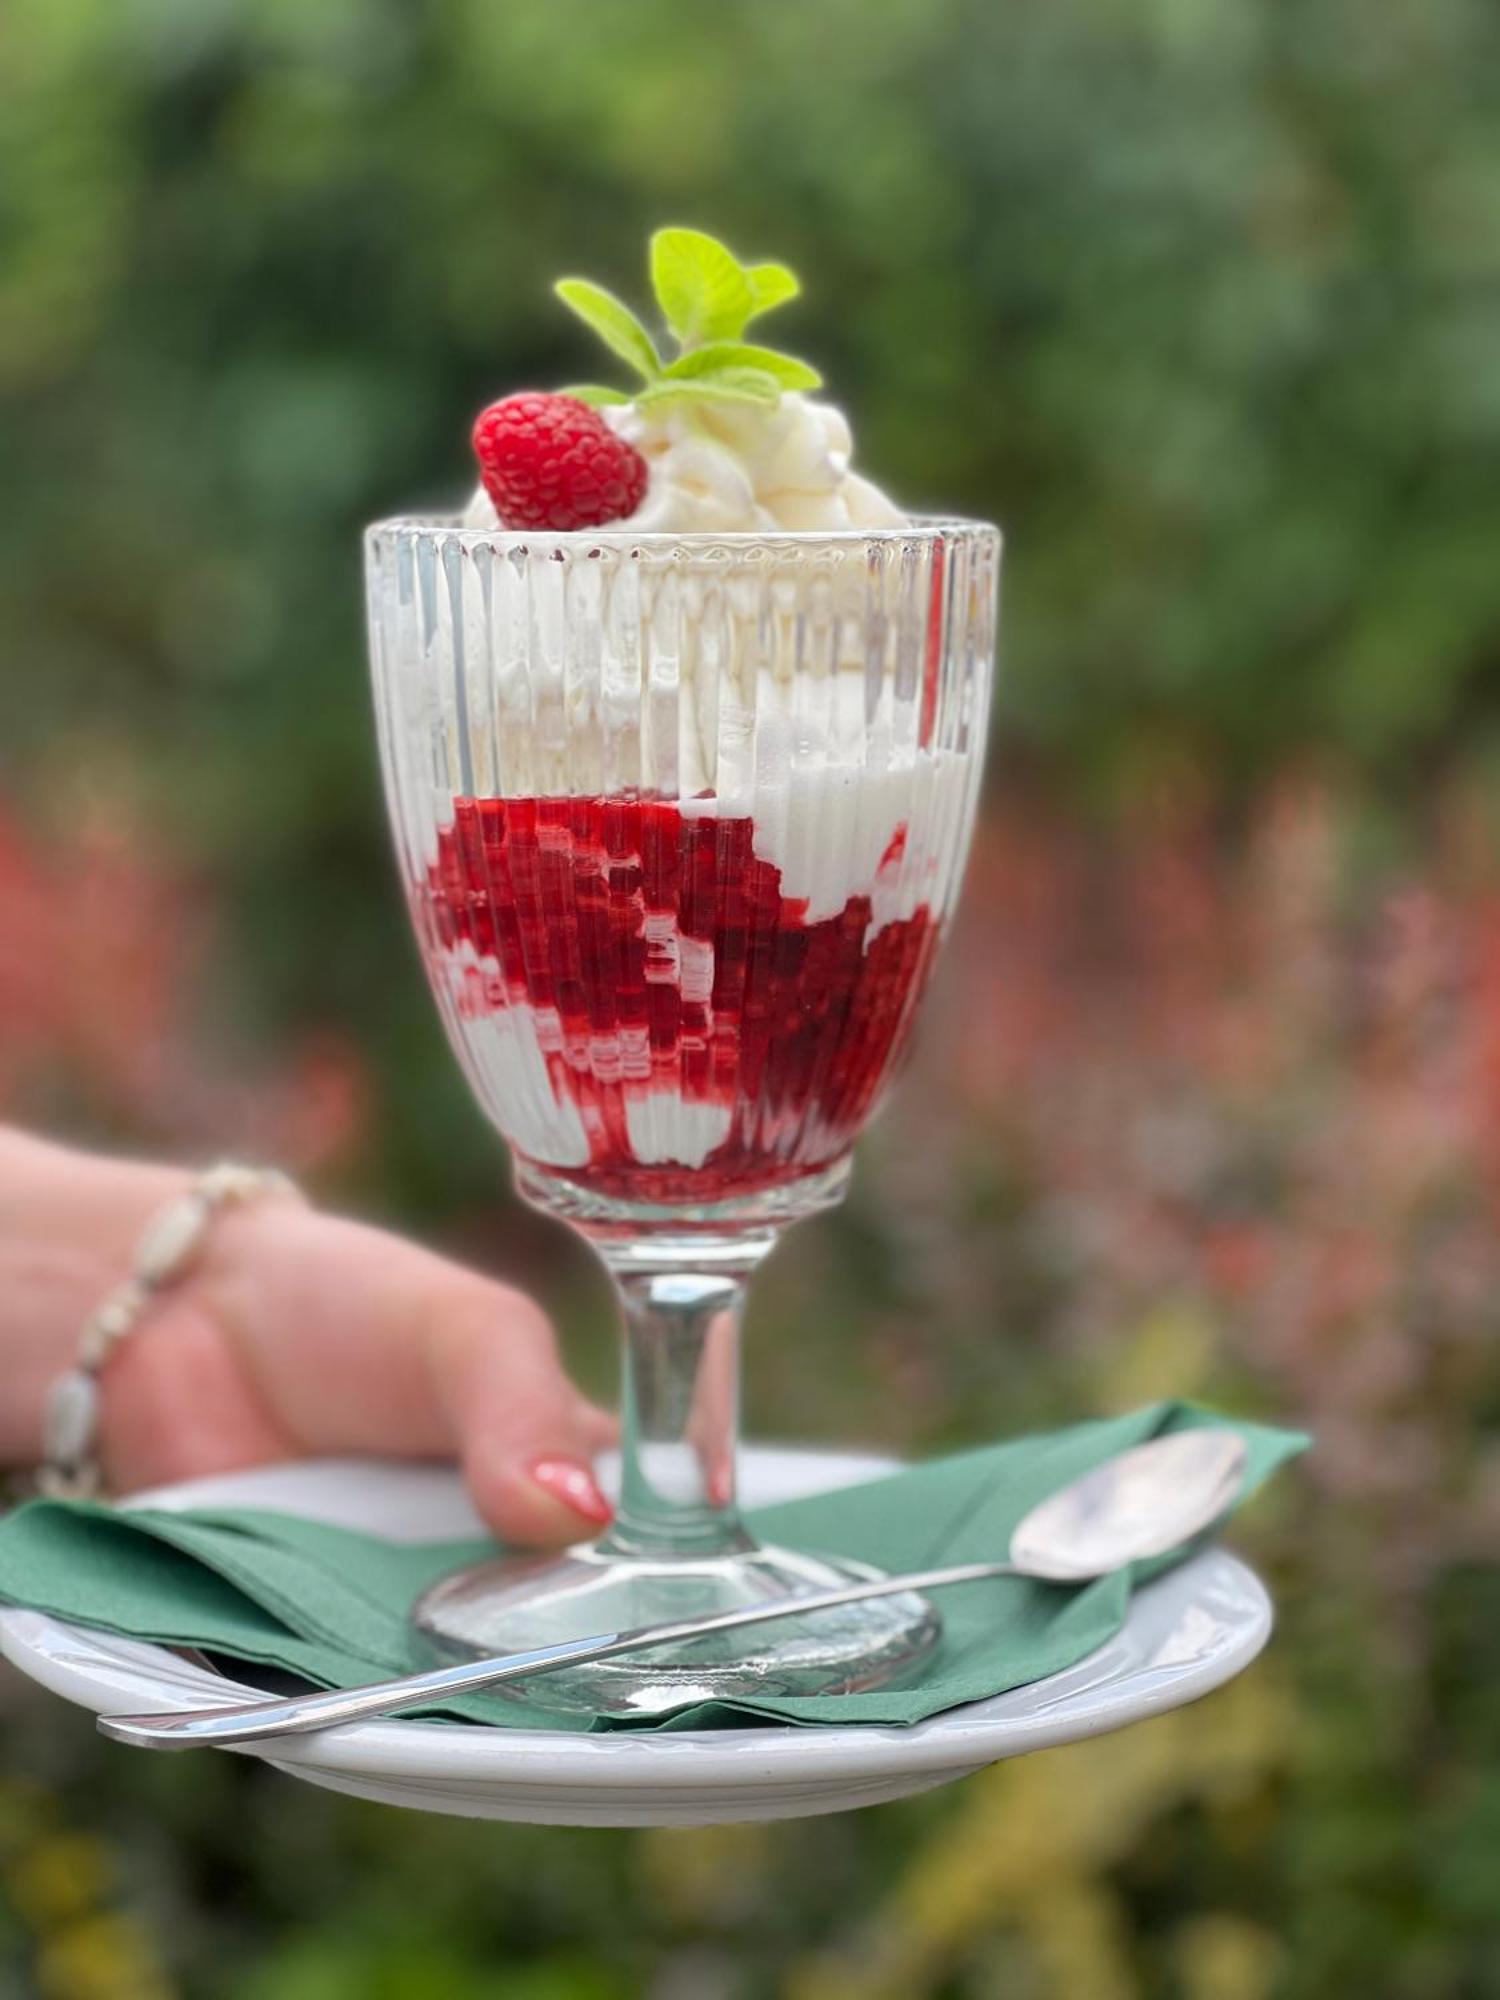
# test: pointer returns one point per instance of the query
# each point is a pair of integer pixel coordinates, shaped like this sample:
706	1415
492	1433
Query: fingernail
572	1483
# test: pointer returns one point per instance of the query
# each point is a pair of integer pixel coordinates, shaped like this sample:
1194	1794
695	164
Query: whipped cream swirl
728	469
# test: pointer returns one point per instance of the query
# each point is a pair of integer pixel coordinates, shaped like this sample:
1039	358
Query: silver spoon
1139	1504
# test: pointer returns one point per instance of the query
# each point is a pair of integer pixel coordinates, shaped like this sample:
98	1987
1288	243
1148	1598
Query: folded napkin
331	1605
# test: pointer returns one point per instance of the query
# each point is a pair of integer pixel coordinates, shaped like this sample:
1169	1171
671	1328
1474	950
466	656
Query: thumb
525	1436
309	1333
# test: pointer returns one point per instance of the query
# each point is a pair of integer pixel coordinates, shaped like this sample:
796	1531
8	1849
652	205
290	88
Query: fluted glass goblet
681	822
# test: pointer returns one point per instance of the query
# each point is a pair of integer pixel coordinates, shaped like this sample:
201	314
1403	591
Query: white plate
1190	1631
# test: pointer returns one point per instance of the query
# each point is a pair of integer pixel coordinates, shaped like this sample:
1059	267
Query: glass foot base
518	1602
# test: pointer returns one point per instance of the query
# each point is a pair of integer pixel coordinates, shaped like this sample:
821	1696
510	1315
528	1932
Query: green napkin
331	1605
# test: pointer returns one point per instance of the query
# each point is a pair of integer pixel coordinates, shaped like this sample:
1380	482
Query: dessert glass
681	822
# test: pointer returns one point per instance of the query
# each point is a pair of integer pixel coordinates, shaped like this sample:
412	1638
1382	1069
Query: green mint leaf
772	285
700	285
613	321
593	393
752	386
718	355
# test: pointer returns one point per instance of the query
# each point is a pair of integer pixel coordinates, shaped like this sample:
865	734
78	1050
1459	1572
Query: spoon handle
296	1715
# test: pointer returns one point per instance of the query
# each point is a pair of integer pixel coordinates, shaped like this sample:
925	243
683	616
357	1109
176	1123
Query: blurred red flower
104	945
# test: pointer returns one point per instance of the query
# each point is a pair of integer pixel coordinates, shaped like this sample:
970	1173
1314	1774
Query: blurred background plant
1202	300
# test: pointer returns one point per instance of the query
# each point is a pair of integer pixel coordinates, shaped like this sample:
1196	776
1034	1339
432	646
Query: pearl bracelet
168	1247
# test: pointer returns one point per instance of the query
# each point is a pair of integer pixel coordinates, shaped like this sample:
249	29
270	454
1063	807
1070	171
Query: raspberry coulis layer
657	955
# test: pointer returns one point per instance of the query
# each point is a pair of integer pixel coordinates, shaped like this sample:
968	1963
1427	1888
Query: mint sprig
613	321
707	298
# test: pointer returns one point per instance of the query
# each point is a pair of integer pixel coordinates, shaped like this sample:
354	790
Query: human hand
295	1334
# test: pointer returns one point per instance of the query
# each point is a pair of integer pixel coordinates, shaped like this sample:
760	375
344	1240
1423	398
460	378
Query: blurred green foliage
1198	299
1201	299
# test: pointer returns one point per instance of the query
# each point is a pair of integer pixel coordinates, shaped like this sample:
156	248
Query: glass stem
683	1301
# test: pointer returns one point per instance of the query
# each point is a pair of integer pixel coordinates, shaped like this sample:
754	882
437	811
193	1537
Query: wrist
68	1224
168	1251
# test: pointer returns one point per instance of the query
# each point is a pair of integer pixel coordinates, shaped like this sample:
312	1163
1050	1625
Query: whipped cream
730	469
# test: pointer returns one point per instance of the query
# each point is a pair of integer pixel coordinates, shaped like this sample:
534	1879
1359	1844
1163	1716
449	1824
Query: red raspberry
553	462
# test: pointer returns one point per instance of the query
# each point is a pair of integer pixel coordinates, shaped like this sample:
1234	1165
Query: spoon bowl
1140	1504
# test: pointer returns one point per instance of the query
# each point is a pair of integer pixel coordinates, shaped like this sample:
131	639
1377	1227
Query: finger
363	1342
526	1437
603	1427
713	1420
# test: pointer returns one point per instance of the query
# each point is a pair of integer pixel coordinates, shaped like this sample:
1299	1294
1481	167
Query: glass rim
452	529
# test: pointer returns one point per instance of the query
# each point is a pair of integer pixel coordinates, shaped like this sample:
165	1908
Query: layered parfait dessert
699	795
681	726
